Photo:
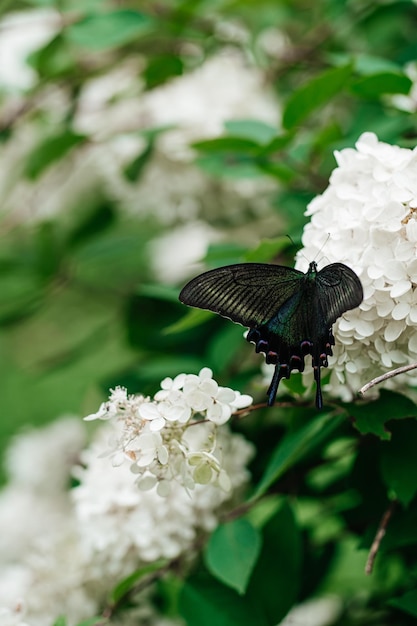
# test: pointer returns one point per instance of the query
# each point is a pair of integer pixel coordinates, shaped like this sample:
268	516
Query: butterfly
289	313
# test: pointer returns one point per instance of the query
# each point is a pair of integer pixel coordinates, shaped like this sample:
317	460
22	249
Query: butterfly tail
280	371
273	387
319	397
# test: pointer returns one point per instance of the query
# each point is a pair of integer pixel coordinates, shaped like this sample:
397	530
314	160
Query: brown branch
386	376
380	533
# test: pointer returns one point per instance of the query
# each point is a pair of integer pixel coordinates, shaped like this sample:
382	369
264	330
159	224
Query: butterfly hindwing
339	290
247	293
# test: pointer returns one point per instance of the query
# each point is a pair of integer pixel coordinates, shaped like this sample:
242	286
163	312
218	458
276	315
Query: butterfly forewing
339	290
248	293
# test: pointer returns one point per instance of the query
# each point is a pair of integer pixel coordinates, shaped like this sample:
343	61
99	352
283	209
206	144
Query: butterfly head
312	269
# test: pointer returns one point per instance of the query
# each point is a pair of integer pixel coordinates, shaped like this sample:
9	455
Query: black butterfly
290	314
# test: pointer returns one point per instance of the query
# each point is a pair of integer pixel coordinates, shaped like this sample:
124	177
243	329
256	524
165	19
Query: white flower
147	447
203	394
122	525
152	434
369	211
106	411
152	413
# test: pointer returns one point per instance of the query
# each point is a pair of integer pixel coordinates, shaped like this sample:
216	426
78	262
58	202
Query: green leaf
160	68
401	531
125	585
267	250
225	346
228	165
111	259
276	580
205	602
61	621
103	31
55	59
232	552
20	292
315	94
157	368
295	384
134	169
193	318
406	602
370	417
368	65
295	446
227	145
277	143
225	253
258	131
264	509
398	465
160	292
49	151
280	171
229	156
381	83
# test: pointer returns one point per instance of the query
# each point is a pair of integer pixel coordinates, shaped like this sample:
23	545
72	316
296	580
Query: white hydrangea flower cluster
153	434
81	541
369	215
122	527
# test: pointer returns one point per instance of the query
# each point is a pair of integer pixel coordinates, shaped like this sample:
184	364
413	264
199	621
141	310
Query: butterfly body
289	313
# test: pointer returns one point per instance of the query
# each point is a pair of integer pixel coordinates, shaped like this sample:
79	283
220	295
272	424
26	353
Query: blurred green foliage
82	309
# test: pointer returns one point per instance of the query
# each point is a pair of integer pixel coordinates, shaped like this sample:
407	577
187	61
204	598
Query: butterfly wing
339	290
247	293
290	314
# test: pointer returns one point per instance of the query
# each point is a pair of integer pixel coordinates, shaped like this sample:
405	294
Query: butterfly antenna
322	246
300	252
273	387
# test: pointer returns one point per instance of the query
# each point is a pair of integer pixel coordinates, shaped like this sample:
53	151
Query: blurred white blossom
12	617
173	253
407	102
369	211
194	105
33	452
43	568
322	611
21	33
191	107
115	113
33	491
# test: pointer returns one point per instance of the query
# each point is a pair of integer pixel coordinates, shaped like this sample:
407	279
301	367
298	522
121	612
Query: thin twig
382	529
111	609
386	376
